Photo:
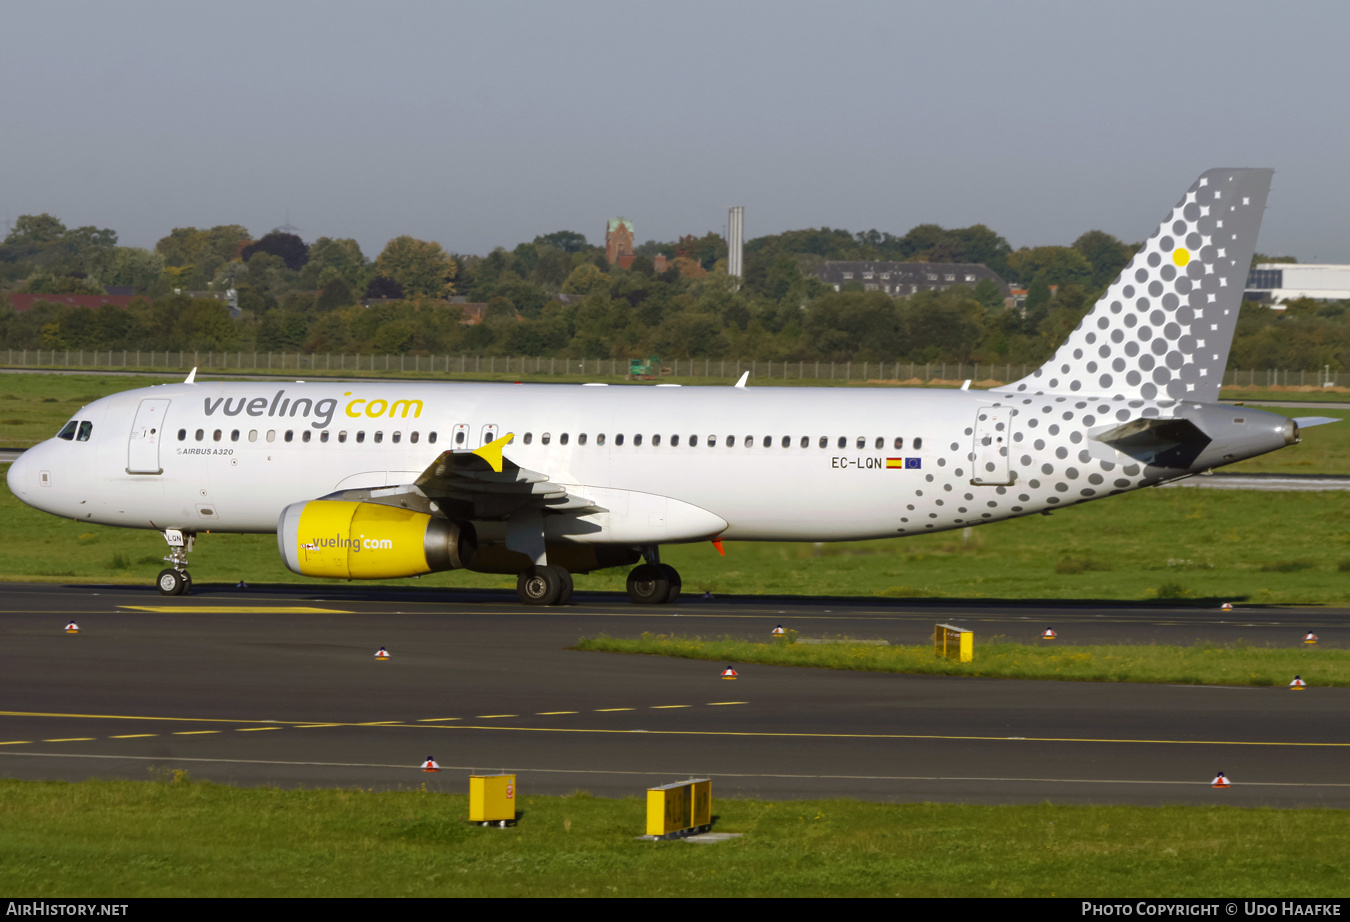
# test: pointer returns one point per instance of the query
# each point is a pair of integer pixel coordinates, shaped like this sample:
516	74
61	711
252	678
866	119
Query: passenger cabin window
68	431
323	435
787	441
712	441
843	442
460	436
431	438
234	435
342	436
600	439
674	441
253	435
899	442
881	443
397	437
182	434
305	436
271	435
637	439
215	436
862	442
806	441
656	440
201	434
379	437
290	435
86	429
731	441
918	443
618	439
413	438
581	439
562	439
824	441
749	441
545	438
529	437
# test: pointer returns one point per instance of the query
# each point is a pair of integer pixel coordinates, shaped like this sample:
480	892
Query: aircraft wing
493	485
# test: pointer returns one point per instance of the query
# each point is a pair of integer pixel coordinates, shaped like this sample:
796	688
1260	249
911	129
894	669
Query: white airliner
376	480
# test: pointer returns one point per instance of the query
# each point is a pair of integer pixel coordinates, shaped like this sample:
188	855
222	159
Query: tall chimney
736	242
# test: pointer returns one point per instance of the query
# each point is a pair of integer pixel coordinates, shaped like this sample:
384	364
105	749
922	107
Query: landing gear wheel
672	577
566	594
171	582
649	584
539	585
187	583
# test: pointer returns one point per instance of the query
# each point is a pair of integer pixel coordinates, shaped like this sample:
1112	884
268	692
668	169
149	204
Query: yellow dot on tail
1181	257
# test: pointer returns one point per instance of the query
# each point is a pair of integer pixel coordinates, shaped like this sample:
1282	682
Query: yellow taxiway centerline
752	734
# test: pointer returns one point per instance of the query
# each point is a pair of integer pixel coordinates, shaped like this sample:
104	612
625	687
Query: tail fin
1165	325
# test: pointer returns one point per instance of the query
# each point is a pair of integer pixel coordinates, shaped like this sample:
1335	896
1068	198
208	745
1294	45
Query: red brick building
619	242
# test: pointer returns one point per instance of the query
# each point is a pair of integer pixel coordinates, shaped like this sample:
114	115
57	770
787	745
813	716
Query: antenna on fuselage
745	376
192	376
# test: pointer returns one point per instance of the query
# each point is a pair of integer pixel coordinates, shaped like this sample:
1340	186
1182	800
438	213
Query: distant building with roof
1276	283
619	242
902	280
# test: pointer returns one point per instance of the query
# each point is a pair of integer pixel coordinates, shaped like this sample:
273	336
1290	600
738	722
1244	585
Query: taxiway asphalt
280	686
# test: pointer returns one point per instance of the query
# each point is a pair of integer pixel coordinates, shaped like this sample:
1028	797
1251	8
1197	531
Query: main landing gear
654	584
176	580
544	585
649	583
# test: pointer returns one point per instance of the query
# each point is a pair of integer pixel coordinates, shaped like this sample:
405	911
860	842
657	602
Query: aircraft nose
20	475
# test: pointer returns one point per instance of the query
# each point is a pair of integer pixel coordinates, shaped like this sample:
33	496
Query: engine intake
346	540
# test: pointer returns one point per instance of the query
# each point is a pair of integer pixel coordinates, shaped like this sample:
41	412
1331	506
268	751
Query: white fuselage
230	456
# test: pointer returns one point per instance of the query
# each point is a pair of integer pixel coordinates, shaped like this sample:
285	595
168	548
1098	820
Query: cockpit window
86	429
67	431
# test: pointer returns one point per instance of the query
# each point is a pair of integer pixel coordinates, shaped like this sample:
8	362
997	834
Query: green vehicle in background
644	370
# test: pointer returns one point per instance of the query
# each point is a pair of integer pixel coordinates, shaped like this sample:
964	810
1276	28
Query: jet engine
353	540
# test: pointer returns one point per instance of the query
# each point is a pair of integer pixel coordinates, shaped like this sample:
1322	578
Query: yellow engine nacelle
346	540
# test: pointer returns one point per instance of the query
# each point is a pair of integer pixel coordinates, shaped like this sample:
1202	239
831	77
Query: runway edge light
1221	782
1298	684
728	673
1310	637
1226	606
72	628
430	765
382	654
1048	634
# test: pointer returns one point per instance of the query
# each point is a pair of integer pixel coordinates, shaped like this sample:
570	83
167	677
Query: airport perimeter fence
499	366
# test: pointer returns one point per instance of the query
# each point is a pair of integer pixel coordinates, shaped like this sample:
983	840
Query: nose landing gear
175	580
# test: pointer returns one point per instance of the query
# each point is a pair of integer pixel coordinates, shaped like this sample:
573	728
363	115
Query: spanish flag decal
896	463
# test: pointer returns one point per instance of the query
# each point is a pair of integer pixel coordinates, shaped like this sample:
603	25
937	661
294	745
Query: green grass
185	838
1173	546
1208	664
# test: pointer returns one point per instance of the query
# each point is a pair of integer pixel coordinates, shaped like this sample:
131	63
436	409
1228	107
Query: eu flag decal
911	463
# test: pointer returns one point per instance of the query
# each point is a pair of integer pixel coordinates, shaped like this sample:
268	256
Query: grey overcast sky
484	124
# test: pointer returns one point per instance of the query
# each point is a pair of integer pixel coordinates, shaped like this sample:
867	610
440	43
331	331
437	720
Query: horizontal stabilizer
1304	422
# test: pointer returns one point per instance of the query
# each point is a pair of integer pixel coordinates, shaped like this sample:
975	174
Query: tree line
558	296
